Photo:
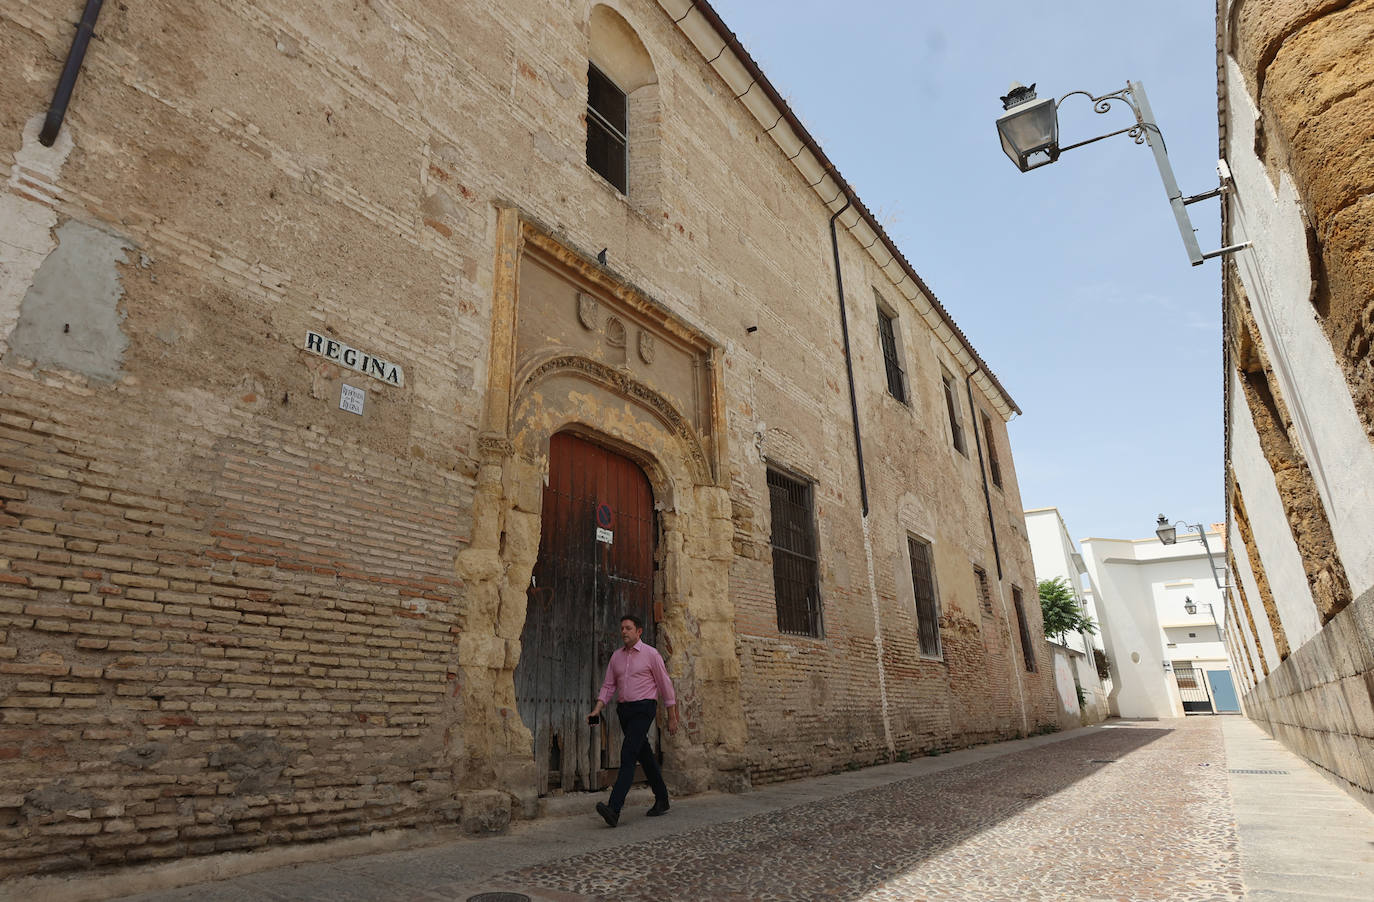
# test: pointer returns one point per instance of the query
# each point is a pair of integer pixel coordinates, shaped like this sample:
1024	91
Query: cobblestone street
1081	816
1142	810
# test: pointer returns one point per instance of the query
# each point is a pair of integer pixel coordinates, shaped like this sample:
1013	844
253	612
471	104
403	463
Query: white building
1163	620
1056	557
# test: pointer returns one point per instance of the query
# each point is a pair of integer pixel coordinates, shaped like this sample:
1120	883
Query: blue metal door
1223	690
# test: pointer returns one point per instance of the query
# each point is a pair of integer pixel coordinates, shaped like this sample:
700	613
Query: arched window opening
607	129
622	108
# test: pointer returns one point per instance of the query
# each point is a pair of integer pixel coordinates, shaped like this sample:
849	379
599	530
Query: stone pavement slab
1301	837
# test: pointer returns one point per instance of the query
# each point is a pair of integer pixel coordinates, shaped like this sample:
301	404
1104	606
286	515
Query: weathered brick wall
229	614
813	692
229	608
199	655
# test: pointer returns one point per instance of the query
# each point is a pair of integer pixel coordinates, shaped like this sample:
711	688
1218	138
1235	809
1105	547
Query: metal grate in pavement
1235	770
499	897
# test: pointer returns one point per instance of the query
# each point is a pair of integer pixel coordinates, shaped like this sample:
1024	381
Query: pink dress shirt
637	674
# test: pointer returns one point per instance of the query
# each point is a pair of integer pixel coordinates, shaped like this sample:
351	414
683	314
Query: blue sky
1071	280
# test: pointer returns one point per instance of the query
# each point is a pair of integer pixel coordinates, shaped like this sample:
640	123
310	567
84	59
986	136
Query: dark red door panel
596	554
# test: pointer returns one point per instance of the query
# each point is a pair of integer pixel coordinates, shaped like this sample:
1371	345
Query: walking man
637	675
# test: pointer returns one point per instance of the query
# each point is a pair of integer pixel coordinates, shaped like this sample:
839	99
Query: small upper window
887	333
607	129
956	422
994	465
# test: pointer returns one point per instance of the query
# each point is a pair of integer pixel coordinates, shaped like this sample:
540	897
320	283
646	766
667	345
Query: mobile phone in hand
593	719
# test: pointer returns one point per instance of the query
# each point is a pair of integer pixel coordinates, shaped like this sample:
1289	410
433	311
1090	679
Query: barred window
956	422
994	464
607	129
795	585
887	333
923	587
1027	649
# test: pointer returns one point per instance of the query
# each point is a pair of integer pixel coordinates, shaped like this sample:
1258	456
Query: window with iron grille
887	333
994	465
956	423
795	585
607	128
923	587
984	596
1027	649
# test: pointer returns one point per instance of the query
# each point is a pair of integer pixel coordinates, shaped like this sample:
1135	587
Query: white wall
1145	586
1135	643
1053	553
1278	280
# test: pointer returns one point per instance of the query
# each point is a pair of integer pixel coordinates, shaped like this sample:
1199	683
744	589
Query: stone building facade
291	330
1296	93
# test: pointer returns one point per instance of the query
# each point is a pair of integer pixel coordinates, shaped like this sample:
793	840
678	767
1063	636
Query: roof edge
755	73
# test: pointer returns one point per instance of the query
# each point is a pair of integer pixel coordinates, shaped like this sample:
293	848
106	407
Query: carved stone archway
573	347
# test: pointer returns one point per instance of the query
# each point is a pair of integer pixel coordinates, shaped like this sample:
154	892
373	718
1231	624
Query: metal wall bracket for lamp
1029	130
1168	535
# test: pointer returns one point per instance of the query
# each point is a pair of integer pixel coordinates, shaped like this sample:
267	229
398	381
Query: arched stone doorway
576	349
595	564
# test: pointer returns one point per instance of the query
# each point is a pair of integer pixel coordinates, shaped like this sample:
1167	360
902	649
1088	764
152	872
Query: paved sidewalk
1300	836
1128	810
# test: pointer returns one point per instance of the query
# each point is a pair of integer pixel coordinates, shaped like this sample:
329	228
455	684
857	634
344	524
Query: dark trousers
635	720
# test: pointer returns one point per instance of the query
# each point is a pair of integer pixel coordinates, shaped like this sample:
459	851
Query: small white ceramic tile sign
351	399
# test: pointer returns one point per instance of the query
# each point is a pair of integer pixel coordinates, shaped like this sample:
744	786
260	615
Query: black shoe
608	814
660	808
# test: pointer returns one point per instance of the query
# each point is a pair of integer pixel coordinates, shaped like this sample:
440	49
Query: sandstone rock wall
1308	68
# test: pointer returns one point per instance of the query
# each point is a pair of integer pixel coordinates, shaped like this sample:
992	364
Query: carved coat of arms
588	312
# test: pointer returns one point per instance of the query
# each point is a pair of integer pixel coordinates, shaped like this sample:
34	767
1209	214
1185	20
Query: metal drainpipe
1017	673
863	492
57	110
982	468
848	363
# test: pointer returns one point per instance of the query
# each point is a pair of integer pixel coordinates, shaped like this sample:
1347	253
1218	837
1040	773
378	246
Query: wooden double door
596	563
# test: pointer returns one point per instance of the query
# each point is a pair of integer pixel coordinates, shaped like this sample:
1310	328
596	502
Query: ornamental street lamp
1168	535
1191	607
1029	130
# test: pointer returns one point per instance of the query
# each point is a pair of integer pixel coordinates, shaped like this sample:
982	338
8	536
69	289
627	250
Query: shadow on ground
840	848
